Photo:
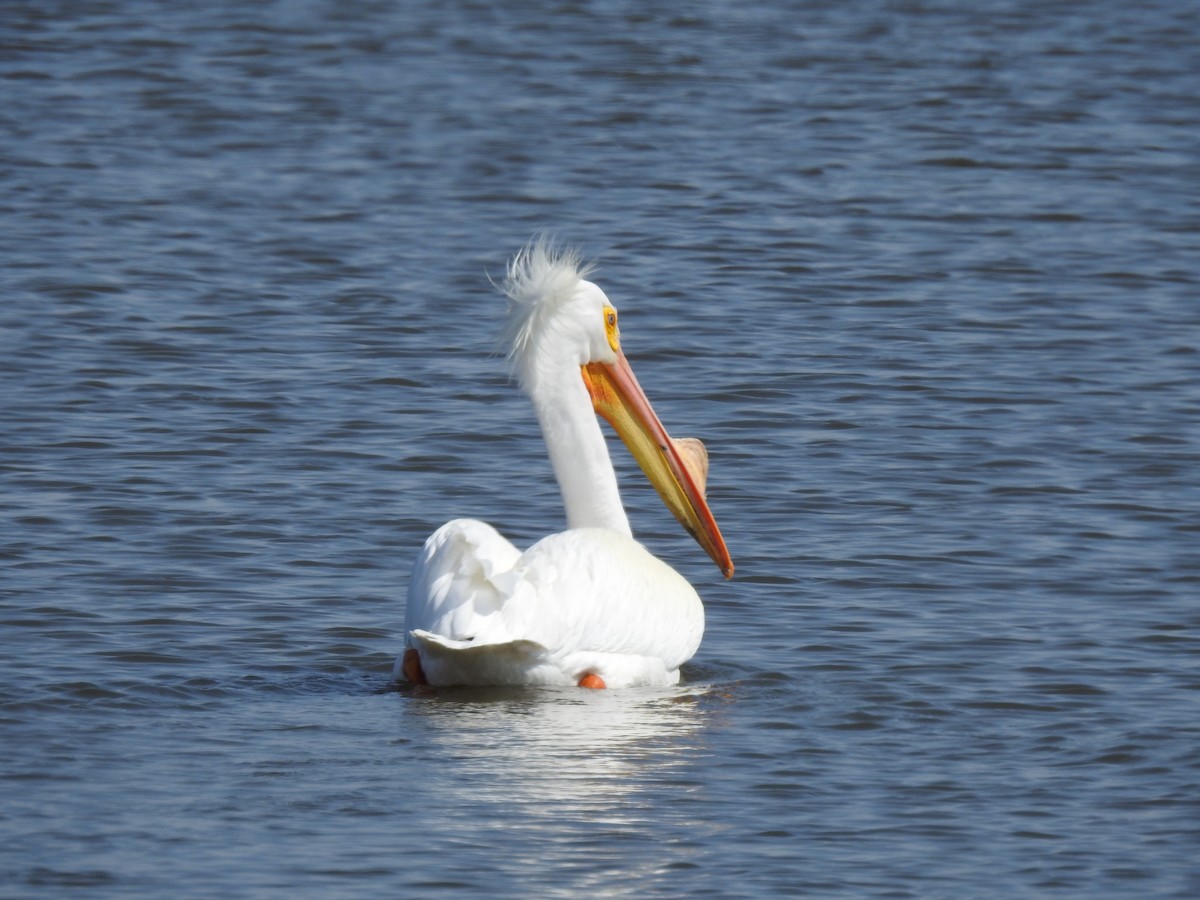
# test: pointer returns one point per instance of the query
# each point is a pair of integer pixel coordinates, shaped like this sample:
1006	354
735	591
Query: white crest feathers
541	277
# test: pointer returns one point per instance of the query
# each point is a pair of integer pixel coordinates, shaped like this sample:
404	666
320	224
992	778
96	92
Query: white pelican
589	606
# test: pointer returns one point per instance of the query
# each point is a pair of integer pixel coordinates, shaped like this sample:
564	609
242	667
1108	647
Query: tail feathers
447	661
435	642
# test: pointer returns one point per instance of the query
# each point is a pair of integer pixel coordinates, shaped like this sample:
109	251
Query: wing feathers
588	599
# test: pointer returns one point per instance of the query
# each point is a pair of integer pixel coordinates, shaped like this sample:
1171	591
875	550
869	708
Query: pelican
589	606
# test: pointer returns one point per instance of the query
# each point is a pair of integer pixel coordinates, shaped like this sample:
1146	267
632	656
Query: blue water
924	276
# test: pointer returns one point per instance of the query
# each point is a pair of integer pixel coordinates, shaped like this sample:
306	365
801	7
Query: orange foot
592	680
412	667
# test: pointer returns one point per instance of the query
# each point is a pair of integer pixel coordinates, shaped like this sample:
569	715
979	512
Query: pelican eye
610	329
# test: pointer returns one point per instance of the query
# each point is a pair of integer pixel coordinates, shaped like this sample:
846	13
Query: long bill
617	396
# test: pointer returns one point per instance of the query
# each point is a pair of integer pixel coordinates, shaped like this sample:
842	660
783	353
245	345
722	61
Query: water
923	275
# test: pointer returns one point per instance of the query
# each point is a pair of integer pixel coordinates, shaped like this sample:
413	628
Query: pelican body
588	606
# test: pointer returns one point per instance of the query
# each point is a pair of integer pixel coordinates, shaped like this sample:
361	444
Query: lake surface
924	276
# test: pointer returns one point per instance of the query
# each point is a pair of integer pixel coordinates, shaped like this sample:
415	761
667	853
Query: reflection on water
563	747
592	781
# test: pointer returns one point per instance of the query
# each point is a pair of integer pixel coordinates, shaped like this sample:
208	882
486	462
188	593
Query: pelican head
563	329
556	316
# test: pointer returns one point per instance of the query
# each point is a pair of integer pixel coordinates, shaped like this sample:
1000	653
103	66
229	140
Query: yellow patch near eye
611	331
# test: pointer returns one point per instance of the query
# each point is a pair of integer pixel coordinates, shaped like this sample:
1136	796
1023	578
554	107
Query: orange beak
677	469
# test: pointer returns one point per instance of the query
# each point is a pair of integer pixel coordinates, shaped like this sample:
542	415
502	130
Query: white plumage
589	605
